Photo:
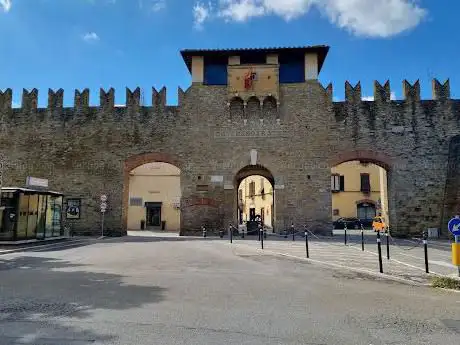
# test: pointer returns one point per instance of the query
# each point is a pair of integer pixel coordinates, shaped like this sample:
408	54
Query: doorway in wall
153	214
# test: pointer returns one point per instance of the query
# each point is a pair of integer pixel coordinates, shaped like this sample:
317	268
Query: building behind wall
255	198
154	193
359	190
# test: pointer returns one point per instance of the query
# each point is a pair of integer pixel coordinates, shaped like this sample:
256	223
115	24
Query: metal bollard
293	233
230	229
379	247
261	237
388	245
362	239
345	232
204	231
221	233
242	232
259	234
425	247
306	244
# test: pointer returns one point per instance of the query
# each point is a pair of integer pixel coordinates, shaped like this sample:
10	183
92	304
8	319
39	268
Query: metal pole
261	237
102	224
242	232
345	228
231	233
293	235
306	244
425	247
204	231
379	247
388	245
362	239
457	240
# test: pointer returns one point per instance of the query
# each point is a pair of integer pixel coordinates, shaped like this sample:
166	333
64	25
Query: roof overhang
320	50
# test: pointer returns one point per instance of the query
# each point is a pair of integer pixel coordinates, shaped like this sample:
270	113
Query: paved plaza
172	290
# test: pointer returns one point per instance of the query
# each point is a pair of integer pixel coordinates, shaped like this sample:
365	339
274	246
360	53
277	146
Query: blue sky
73	44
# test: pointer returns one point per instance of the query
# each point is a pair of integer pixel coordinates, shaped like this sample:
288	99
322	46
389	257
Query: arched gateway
267	101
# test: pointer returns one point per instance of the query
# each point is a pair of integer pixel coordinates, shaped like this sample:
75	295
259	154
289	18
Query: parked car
352	223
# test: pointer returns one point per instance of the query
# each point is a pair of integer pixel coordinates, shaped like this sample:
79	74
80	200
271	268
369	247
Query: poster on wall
73	209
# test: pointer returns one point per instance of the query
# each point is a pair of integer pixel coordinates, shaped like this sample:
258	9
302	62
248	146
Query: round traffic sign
103	205
102	210
454	226
103	198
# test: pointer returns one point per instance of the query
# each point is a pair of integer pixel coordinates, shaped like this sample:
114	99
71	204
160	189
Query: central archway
254	197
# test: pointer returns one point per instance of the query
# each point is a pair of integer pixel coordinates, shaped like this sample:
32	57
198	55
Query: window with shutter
365	183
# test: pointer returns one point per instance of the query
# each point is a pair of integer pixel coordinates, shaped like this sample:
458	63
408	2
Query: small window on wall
252	189
336	212
335	183
365	183
342	183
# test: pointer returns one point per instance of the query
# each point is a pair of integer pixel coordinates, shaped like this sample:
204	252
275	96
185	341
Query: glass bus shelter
30	214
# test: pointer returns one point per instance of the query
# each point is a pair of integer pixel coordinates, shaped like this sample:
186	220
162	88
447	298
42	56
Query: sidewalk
406	257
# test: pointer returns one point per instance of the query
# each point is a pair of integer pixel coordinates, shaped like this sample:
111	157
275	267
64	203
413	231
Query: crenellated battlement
353	95
382	93
82	99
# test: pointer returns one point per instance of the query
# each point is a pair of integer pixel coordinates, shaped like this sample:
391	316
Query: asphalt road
145	291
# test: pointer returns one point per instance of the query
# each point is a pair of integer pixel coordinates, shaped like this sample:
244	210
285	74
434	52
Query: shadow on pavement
35	290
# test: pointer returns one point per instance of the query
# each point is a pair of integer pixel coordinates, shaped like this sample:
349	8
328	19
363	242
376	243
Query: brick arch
251	170
135	161
379	158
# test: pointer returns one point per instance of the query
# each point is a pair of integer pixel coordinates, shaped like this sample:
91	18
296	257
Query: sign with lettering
36	182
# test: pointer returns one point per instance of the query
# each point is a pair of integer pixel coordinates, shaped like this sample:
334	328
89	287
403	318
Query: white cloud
201	13
372	18
371	98
5	5
90	37
152	5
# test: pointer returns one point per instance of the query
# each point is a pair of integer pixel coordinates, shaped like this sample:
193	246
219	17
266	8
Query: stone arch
236	108
270	107
380	159
365	156
251	170
135	161
253	110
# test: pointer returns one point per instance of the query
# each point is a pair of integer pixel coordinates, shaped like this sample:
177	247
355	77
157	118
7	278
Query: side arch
135	161
365	156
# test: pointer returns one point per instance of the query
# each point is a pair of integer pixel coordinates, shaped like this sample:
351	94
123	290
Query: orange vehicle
378	224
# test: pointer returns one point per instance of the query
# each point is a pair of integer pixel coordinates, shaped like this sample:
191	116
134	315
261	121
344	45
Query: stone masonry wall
86	151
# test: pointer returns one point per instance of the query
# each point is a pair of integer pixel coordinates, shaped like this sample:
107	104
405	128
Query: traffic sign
454	226
103	198
103	205
102	210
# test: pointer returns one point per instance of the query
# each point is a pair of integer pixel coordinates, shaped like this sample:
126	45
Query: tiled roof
187	54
